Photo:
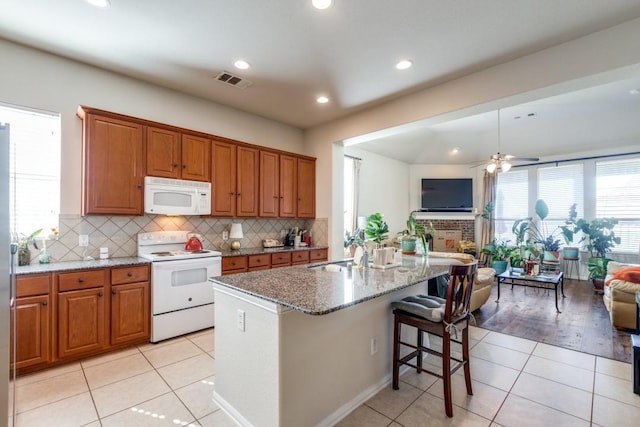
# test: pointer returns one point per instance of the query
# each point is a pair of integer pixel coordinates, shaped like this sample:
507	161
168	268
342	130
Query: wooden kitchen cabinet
234	180
288	186
299	257
171	154
33	323
269	203
306	206
130	304
82	305
280	259
318	255
234	264
113	167
259	262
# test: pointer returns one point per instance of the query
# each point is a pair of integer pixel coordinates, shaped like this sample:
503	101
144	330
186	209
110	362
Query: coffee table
540	281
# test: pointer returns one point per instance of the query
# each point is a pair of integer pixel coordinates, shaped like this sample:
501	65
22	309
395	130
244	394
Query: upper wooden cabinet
234	189
172	154
113	168
287	186
306	207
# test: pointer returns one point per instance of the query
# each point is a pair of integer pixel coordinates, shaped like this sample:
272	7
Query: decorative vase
570	253
408	245
530	266
553	256
24	255
598	286
499	266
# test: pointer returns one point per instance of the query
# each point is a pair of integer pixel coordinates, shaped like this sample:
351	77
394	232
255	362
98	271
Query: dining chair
446	318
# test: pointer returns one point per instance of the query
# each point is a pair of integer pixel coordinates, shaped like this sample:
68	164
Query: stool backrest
462	278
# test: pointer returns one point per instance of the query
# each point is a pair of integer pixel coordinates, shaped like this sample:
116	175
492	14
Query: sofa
485	277
620	294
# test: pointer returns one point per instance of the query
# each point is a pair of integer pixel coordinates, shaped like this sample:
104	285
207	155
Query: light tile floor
516	382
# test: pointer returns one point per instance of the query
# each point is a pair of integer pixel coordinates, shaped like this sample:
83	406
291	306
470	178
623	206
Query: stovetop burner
168	245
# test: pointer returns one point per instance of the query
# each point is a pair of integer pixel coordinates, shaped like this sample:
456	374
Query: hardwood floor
530	313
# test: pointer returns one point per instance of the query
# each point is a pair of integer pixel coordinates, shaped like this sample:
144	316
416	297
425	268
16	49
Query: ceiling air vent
233	80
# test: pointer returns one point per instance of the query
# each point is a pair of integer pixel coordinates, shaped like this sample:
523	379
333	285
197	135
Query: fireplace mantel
469	216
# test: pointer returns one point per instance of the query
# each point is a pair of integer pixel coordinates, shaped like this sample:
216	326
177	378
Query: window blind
511	202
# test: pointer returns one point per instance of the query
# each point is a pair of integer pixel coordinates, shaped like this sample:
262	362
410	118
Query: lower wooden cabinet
33	321
70	315
243	263
130	304
82	325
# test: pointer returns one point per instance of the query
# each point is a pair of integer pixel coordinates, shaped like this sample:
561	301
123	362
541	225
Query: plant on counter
24	254
376	229
353	240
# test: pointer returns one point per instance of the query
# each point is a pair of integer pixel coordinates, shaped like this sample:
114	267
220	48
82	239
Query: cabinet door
247	181
163	153
130	305
234	264
81	322
196	157
306	188
223	179
33	330
269	184
288	186
113	166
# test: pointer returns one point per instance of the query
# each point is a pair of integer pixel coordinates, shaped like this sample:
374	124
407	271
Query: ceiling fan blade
519	159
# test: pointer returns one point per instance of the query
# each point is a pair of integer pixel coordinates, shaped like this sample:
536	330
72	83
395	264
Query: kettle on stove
194	242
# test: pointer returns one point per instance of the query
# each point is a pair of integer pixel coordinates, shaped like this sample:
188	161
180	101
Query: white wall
38	80
384	188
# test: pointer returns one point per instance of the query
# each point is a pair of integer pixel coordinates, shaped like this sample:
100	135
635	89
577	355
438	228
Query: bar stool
569	264
441	317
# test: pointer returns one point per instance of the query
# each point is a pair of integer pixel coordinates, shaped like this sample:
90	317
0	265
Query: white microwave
165	196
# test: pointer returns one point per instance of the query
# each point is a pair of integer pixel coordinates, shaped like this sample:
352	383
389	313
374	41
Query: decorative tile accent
119	233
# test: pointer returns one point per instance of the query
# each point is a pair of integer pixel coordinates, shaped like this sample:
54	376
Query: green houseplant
538	232
353	240
501	253
376	229
24	254
568	231
601	240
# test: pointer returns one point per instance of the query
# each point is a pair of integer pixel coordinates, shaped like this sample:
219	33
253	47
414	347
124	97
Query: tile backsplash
119	233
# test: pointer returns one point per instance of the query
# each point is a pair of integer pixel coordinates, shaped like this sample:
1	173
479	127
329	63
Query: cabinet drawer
120	276
82	280
281	259
234	264
263	260
27	286
300	257
318	254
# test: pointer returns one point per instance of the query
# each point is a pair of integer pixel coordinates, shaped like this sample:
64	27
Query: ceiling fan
503	162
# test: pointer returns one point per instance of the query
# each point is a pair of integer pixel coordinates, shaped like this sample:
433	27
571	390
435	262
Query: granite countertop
79	265
260	250
317	291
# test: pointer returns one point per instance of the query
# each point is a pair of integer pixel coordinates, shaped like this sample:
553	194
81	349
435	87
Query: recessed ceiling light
634	91
455	150
404	64
322	4
322	99
99	3
241	64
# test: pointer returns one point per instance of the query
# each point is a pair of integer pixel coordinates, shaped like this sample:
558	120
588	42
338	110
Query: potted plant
500	254
568	231
376	229
409	236
538	233
24	253
600	239
353	240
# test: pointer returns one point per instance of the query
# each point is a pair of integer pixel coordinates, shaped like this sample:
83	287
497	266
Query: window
617	183
34	158
560	187
512	196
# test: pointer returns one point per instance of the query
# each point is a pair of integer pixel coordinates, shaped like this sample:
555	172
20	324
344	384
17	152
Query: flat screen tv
447	195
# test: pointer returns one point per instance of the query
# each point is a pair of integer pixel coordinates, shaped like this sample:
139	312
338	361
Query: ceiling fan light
491	167
505	166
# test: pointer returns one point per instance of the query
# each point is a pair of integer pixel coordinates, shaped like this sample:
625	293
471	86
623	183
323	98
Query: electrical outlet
240	319
225	235
83	240
374	345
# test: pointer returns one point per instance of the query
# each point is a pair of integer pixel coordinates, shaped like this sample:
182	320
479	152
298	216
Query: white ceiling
347	52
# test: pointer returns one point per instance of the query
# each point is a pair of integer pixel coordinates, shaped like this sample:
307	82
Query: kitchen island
305	346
